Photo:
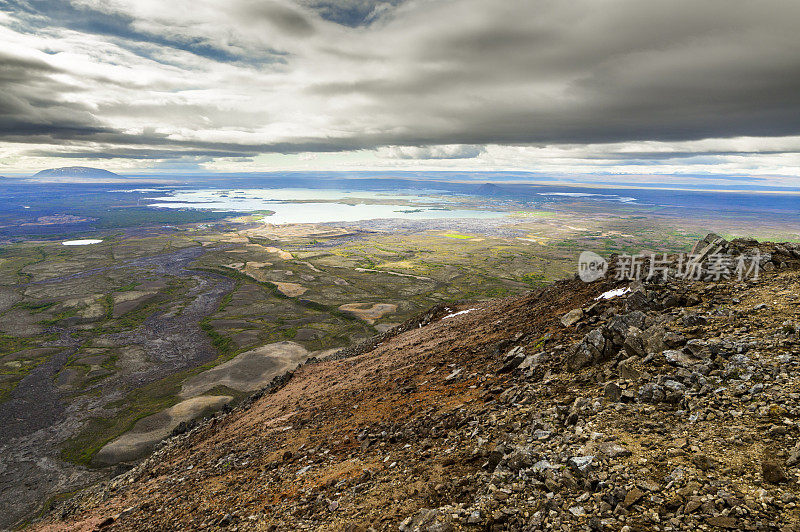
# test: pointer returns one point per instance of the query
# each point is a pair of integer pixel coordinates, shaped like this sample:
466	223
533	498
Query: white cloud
442	151
633	88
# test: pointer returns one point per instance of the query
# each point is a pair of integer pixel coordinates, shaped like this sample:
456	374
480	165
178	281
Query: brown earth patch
369	312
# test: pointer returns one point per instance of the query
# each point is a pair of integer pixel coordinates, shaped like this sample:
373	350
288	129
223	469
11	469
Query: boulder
571	317
532	361
627	370
592	349
634	343
581	464
709	245
680	358
613	450
772	471
653	338
651	393
612	393
637	300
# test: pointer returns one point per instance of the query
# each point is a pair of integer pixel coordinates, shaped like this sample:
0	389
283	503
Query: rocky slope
673	406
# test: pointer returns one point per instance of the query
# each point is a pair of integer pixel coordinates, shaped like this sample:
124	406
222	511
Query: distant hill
75	171
491	190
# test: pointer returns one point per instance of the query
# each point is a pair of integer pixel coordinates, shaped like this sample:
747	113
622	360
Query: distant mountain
491	190
76	171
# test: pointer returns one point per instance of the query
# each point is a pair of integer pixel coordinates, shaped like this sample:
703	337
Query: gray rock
651	393
423	518
794	456
515	352
674	391
690	319
673	339
696	347
653	338
613	449
617	330
772	471
475	518
612	393
512	364
532	361
454	375
679	358
627	370
520	458
634	344
542	465
709	245
637	300
592	349
581	464
571	317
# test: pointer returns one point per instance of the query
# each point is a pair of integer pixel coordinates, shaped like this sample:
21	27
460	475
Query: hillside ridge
670	405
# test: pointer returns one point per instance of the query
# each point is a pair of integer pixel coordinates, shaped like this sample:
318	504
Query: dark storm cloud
572	72
141	154
365	74
31	103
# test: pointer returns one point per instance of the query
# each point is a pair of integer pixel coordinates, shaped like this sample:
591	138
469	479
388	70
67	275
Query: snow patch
85	242
459	313
613	293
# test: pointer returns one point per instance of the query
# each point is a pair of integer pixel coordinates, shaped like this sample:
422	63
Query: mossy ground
413	271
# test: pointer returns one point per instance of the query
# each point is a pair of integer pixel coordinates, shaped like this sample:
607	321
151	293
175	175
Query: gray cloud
568	72
32	104
457	151
283	17
415	78
142	154
353	12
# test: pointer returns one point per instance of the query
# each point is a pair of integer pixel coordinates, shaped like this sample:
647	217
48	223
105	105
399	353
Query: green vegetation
397	273
534	279
221	343
113	218
533	214
143	402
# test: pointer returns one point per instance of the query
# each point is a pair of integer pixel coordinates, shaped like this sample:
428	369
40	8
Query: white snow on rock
613	293
459	313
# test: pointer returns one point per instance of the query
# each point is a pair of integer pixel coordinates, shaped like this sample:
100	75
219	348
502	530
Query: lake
299	205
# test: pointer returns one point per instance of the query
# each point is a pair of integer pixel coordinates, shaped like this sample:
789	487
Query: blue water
420	197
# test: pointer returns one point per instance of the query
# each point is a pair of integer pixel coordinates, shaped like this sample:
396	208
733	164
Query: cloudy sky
691	91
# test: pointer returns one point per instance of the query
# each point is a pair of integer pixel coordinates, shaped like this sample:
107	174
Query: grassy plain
317	286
